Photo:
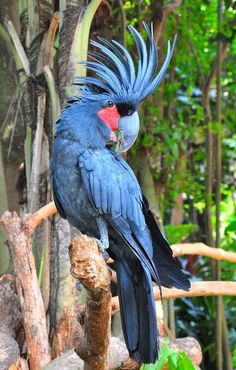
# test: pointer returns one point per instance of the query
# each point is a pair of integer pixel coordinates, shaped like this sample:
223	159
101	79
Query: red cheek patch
110	116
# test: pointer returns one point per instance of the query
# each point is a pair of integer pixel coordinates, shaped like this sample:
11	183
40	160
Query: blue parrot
97	192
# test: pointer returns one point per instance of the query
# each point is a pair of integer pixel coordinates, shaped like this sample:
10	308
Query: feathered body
96	190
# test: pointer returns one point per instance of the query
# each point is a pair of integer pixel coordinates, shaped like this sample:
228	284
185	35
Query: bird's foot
65	249
103	246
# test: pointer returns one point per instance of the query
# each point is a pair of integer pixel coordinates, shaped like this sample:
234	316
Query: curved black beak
129	128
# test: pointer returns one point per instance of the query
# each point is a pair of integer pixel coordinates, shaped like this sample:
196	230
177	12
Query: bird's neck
82	126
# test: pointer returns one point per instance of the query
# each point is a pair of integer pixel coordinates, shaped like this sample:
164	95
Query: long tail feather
168	269
138	313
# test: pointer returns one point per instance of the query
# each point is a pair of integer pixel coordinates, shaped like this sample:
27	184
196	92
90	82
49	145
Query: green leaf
175	233
147	141
186	362
231	227
228	3
164	352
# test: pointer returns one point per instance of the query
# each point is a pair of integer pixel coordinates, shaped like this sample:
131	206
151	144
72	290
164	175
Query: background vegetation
188	131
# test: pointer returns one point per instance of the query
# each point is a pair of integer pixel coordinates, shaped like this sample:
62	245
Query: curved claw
103	246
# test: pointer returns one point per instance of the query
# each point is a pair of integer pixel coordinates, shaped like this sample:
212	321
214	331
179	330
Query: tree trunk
218	165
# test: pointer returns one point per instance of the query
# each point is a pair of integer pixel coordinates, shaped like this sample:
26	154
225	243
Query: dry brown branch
34	220
88	266
202	249
34	318
199	249
198	289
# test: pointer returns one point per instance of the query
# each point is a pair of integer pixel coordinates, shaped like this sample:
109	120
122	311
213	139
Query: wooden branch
200	249
88	266
203	250
34	220
31	302
198	289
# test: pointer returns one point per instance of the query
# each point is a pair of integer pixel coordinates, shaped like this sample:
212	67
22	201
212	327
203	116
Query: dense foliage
174	140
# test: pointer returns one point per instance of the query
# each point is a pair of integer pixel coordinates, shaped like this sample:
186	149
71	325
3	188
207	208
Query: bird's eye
109	104
130	111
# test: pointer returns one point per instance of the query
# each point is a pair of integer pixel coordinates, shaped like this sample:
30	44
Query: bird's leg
103	243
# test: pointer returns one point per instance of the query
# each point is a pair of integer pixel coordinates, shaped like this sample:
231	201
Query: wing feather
111	187
115	193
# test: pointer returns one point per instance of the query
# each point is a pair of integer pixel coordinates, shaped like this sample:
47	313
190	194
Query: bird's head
119	86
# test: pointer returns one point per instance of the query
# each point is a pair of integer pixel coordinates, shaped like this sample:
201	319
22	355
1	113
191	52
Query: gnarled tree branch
34	317
88	266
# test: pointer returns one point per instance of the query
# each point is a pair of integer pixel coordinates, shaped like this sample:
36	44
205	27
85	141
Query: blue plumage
96	190
116	71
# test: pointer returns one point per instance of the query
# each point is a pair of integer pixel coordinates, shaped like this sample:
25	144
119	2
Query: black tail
168	269
138	312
